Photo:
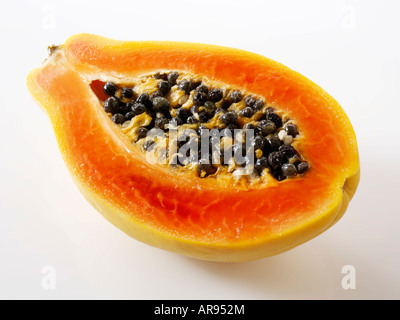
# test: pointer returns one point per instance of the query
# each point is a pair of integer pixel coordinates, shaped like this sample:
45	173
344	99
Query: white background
350	48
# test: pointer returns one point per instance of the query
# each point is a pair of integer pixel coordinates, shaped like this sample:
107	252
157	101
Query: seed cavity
207	128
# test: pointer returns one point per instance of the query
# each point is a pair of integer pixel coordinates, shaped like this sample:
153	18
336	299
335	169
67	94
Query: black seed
249	101
235	96
164	87
125	107
184	85
143	98
287	150
266	127
127	93
291	130
148	145
155	94
110	88
183	114
129	115
273	143
278	175
202	88
192	120
215	95
118	118
275	119
111	105
303	167
142	132
160	123
138	108
289	169
225	104
172	76
204	116
229	118
209	106
194	85
276	159
261	164
247	112
160	104
199	98
259	143
258	105
162	76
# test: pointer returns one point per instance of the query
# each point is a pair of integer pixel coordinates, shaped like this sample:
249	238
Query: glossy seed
172	77
276	159
261	164
235	96
110	88
204	117
266	127
229	118
184	85
287	150
249	101
143	98
259	143
273	143
142	132
258	105
164	87
272	116
127	93
215	95
125	107
138	108
183	114
202	88
303	167
225	104
291	130
199	98
247	112
111	105
129	115
162	76
118	118
161	104
289	169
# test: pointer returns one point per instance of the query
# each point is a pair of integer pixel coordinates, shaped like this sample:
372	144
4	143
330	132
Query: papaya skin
201	218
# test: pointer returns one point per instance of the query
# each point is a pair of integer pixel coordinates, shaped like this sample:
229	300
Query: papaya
131	118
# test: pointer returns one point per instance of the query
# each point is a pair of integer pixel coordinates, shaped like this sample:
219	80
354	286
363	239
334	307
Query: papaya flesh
205	218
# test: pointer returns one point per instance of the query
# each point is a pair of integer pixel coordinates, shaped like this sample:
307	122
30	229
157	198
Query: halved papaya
202	211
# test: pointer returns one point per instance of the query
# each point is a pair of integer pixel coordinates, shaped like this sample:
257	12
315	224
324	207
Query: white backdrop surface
350	48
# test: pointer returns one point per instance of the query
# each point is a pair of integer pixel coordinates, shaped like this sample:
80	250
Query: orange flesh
188	207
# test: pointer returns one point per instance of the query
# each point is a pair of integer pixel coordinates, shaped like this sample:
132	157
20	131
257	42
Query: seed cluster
204	107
